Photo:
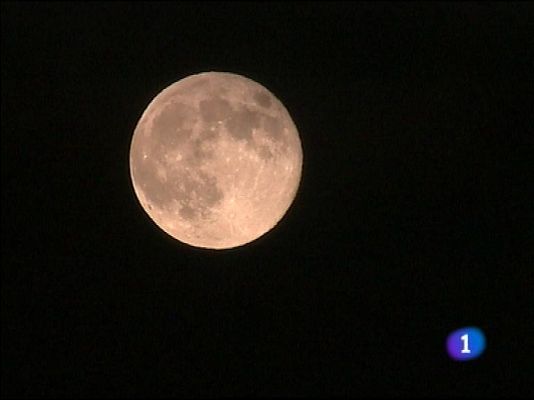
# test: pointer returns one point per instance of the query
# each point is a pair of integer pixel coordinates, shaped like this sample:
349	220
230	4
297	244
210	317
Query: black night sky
411	219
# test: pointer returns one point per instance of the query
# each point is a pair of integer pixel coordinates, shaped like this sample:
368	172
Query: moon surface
215	160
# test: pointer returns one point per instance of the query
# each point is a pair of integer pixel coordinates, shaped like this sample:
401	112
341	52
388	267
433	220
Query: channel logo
466	344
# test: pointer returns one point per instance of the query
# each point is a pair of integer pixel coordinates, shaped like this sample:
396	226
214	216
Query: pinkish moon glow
215	160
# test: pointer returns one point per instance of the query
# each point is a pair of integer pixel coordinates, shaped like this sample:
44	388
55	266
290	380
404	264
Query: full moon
215	160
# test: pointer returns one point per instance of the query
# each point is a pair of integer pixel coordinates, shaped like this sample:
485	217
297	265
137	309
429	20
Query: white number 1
465	339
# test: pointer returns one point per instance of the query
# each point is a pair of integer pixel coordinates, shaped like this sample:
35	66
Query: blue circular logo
466	343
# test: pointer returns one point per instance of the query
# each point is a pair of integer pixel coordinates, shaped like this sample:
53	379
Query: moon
215	160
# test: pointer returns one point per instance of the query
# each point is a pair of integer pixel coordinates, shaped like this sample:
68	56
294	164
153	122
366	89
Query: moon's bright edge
215	160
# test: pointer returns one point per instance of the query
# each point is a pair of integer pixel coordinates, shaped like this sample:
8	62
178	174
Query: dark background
411	219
